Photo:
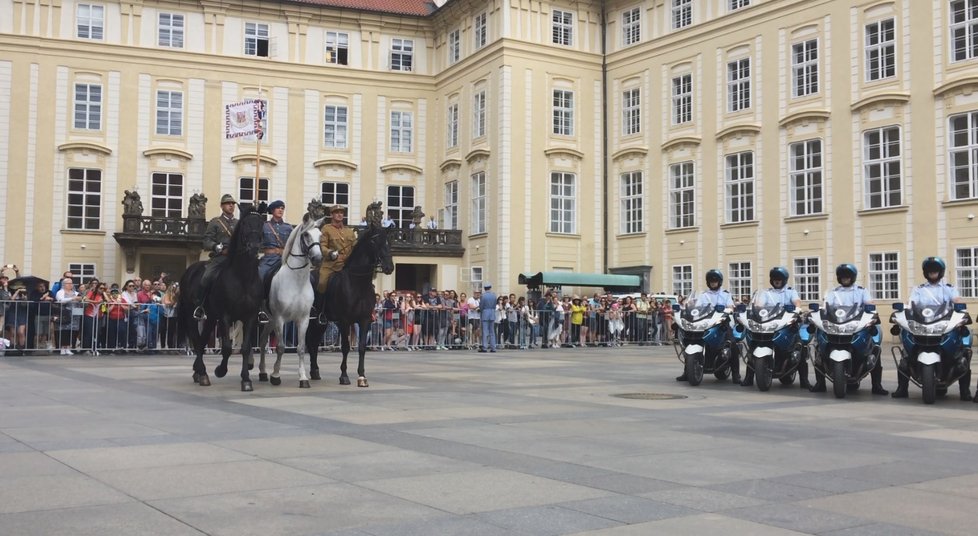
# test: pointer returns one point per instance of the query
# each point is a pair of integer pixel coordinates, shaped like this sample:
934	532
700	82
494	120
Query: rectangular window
337	48
737	4
631	203
740	280
964	29
563	112
682	279
682	13
682	99
563	203
335	125
249	192
170	30
84	199
881	167
563	27
884	276
804	68
805	177
880	50
807	279
631	26
480	29
681	195
964	155
479	115
256	39
88	106
966	261
478	223
169	113
454	46
402	54
400	204
335	193
90	21
83	272
402	131
631	112
450	218
739	176
452	134
167	200
738	85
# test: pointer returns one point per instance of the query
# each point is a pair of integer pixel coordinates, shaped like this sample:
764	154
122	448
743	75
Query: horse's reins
304	253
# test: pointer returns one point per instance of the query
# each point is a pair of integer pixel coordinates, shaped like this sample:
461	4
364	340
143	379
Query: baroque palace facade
658	138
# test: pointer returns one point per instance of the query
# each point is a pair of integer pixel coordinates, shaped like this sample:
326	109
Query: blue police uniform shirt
487	304
274	235
787	295
851	295
717	297
939	292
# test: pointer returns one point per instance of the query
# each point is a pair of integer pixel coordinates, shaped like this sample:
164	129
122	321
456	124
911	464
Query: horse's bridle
304	249
373	266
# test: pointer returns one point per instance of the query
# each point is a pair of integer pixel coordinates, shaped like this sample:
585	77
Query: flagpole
261	135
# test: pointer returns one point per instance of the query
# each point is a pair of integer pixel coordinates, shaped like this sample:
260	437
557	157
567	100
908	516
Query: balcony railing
184	229
426	242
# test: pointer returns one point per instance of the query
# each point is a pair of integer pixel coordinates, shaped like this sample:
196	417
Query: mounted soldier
217	236
336	242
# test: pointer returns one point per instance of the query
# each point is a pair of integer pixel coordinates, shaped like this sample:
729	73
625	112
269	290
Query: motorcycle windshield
928	306
765	306
839	308
698	306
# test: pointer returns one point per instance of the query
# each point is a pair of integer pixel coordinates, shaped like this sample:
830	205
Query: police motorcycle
846	341
702	344
935	349
773	346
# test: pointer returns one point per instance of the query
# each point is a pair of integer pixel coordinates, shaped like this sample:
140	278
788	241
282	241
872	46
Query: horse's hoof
344	380
263	376
220	371
196	378
276	380
246	386
314	374
362	382
203	380
303	384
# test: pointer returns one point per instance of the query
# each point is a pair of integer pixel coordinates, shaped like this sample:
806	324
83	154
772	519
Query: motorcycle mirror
790	308
958	307
898	306
870	308
675	307
813	307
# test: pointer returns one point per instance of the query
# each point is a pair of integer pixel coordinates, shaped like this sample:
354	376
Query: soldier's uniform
274	236
217	237
336	243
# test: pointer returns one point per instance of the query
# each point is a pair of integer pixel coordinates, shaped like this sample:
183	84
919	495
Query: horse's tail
186	302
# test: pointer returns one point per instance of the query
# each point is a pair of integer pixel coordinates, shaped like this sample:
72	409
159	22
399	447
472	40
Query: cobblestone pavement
442	443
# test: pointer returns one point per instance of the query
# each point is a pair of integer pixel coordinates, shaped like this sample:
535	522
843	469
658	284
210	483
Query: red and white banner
244	119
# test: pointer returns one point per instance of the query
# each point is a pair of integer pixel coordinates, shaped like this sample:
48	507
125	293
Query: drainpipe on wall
604	133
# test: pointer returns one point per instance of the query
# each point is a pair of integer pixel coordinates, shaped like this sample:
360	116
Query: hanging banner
244	119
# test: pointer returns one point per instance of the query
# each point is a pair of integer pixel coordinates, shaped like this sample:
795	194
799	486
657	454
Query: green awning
573	279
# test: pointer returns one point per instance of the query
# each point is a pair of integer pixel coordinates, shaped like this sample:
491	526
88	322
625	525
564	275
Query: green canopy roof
573	279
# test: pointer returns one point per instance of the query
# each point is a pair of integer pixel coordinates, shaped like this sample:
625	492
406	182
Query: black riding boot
803	376
735	367
903	381
819	386
877	376
682	377
964	386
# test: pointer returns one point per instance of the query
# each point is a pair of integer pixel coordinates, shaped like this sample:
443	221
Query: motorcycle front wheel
839	378
694	369
928	383
762	374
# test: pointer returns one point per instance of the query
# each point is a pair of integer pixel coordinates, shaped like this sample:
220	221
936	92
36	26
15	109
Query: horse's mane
247	210
299	229
359	252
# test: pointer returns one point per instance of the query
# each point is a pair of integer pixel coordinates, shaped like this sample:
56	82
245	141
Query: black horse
235	295
349	299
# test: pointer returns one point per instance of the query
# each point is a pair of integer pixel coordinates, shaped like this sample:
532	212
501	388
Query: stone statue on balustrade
131	204
197	207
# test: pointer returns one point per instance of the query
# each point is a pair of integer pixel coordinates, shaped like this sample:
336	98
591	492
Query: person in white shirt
778	277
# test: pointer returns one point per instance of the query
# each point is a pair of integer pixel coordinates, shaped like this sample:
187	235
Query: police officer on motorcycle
719	296
849	293
933	268
778	277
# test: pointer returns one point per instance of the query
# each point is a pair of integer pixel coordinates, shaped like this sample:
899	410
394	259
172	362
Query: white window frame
166	195
632	184
480	29
882	165
83	272
966	271
563	112
562	23
450	215
335	193
804	68
682	13
88	106
682	279
336	126
963	32
452	126
479	114
631	26
248	193
884	275
454	46
90	22
402	131
402	54
169	112
337	50
734	5
631	112
682	195
738	85
963	157
563	202
740	280
169	30
682	99
400	204
808	278
739	187
880	43
84	202
479	203
254	34
805	178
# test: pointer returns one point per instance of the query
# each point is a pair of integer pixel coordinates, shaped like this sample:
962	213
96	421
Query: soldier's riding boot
803	376
877	376
199	313
263	314
903	381
819	386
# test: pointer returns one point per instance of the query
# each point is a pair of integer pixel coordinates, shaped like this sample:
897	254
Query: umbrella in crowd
27	282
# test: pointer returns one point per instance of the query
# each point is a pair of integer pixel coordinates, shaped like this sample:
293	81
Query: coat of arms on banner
244	118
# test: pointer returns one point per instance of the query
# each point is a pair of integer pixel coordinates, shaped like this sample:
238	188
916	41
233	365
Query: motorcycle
847	342
701	343
935	347
774	347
